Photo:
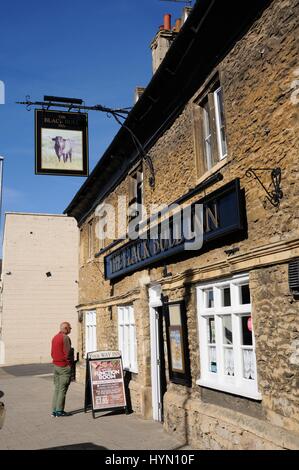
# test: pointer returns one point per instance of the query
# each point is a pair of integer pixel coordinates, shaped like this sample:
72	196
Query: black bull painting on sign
63	148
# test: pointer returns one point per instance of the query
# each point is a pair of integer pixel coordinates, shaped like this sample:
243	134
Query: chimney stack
162	41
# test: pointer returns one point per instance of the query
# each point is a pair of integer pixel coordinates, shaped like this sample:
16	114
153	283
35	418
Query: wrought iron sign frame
78	104
276	194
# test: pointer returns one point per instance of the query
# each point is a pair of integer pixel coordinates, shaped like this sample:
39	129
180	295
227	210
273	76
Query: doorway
161	359
158	369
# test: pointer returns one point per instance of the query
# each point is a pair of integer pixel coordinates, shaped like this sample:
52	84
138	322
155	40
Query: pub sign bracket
275	194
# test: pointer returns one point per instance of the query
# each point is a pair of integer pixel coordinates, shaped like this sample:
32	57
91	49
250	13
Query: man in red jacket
61	355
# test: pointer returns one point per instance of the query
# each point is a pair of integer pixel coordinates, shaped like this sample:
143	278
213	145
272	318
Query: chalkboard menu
104	387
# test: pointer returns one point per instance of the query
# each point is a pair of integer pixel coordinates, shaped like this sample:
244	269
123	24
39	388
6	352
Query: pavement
28	425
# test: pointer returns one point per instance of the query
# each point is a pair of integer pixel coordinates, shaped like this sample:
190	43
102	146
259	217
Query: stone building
210	335
39	285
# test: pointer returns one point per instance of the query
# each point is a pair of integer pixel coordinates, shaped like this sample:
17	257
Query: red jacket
60	351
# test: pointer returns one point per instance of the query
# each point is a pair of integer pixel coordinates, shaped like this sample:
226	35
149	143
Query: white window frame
236	384
81	249
101	223
90	318
219	124
207	135
90	241
127	343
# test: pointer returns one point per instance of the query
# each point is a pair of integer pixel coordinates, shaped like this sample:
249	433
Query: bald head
65	327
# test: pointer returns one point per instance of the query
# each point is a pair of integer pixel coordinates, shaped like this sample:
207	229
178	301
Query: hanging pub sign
104	386
61	143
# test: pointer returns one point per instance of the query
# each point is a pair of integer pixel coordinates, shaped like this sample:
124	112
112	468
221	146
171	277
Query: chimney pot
178	25
167	21
138	92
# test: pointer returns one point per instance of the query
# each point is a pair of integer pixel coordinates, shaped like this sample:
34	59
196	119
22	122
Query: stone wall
217	428
276	326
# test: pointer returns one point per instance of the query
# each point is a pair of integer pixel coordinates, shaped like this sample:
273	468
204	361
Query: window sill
240	391
222	163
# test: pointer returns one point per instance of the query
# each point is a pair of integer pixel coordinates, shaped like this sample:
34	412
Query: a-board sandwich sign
61	143
105	388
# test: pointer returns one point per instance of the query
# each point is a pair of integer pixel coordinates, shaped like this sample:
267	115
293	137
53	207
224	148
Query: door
157	352
159	384
161	359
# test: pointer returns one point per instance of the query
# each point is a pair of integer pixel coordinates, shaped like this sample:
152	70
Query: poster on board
105	381
61	143
176	348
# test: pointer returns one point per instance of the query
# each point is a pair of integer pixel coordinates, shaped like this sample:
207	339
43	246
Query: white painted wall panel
33	305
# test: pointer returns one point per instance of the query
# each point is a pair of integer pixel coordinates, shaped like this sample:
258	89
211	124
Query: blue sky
97	50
